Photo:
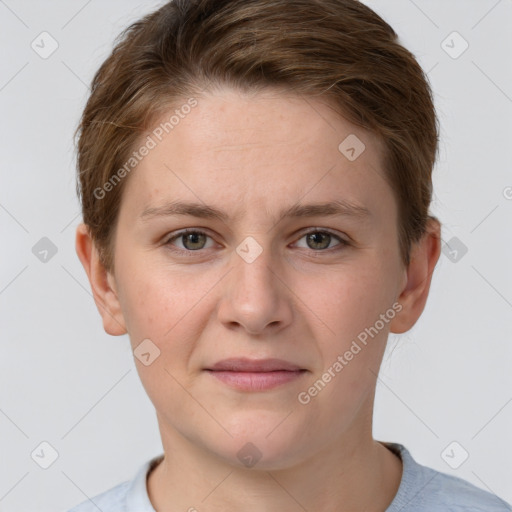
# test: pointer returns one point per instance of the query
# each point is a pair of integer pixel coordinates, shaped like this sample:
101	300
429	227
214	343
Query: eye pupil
313	237
192	237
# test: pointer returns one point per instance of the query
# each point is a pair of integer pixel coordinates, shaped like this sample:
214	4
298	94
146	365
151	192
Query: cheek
347	306
165	308
163	305
345	300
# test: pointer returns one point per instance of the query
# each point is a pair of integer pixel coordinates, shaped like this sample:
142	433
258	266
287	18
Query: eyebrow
339	207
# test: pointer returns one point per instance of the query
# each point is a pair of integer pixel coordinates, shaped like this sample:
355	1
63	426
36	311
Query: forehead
264	150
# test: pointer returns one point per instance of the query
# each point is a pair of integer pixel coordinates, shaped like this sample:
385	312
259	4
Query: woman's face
267	276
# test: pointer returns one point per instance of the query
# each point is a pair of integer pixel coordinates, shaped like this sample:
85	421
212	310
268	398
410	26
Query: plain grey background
445	388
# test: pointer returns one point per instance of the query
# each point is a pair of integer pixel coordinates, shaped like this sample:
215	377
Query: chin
261	445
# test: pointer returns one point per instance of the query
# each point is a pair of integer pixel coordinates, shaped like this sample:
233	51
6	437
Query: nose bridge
254	266
256	298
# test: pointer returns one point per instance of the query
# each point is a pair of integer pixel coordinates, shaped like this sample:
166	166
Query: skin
252	155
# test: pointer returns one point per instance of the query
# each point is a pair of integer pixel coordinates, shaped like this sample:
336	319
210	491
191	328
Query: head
255	111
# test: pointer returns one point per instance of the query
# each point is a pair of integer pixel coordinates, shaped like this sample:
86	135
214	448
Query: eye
192	239
320	240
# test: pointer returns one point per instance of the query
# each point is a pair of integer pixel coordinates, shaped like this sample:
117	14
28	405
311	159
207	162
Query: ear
418	276
102	283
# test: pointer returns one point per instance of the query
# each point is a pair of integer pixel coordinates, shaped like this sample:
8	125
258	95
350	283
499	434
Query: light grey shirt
422	489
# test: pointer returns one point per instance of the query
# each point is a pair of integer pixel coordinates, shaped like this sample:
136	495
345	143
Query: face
266	278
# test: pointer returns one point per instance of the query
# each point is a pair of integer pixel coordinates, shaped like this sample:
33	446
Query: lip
244	364
255	375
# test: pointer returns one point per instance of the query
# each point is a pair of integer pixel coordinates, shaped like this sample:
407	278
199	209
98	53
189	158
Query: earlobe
414	293
102	283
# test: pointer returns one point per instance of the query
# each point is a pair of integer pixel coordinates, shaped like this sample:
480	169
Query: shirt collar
137	498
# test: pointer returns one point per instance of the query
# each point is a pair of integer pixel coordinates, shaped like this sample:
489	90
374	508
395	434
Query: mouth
255	375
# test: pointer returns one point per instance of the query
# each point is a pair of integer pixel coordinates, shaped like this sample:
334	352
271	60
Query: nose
255	296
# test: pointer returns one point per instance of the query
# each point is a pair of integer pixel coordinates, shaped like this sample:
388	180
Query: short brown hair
339	49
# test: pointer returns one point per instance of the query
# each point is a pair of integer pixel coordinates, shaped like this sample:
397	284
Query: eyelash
187	252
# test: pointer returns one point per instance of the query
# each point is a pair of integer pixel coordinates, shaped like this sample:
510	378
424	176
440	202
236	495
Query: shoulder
424	489
113	500
129	496
460	495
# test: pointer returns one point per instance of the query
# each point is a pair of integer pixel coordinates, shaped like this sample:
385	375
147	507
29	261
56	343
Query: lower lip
256	381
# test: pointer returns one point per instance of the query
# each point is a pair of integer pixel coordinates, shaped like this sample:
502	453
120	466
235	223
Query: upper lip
254	365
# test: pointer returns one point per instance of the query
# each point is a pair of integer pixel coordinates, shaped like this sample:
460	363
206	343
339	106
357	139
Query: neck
352	473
